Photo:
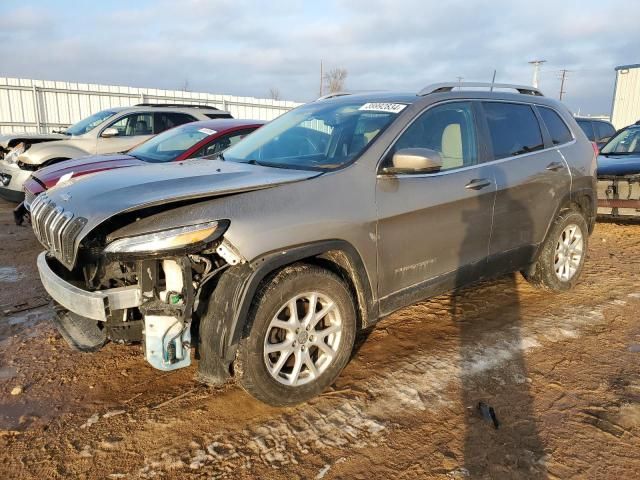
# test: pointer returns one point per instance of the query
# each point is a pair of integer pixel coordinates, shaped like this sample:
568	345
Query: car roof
462	94
591	119
224	124
199	110
399	97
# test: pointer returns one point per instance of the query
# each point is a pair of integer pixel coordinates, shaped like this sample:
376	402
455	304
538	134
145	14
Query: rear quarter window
513	128
556	127
603	130
587	128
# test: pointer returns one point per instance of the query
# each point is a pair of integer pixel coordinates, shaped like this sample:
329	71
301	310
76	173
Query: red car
190	140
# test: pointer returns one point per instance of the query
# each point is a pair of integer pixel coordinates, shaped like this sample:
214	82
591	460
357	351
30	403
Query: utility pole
536	69
563	76
320	78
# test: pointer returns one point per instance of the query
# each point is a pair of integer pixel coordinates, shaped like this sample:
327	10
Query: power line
563	77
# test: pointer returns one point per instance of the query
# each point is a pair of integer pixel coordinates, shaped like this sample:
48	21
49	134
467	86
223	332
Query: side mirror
414	160
110	132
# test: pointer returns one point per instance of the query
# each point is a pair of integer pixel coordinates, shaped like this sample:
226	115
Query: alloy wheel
302	339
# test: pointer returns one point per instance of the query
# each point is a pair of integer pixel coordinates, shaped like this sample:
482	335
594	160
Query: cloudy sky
245	47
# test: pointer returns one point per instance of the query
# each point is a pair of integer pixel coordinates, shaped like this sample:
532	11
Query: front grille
56	228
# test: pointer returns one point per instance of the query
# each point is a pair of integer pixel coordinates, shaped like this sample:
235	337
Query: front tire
299	336
561	259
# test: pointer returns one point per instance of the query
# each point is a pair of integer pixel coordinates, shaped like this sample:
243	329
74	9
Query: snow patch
9	275
423	381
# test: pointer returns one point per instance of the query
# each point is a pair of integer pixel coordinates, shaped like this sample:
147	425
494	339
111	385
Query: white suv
108	131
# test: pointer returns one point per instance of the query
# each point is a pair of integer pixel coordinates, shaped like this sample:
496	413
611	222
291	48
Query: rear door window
556	127
587	128
221	144
513	128
603	130
167	120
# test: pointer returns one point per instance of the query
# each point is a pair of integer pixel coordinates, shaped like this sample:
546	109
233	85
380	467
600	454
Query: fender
230	302
591	194
567	199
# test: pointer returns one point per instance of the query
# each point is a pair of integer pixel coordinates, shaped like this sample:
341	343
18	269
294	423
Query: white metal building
43	105
626	96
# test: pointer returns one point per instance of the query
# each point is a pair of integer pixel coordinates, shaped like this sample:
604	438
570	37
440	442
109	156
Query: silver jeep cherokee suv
113	130
271	257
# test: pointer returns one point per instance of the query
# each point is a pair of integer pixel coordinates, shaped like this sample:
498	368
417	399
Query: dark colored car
324	221
619	174
191	140
598	131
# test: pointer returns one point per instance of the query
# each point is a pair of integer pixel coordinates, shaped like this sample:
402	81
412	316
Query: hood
18	137
78	167
102	196
618	165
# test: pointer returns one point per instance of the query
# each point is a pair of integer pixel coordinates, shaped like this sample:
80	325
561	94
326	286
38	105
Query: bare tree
334	80
274	93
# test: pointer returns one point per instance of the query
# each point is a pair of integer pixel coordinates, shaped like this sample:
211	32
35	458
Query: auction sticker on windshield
383	107
207	131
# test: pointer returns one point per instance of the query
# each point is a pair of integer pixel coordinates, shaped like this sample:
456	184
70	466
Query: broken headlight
167	240
15	152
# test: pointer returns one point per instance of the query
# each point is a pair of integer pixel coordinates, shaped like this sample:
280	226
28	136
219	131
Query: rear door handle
553	166
477	184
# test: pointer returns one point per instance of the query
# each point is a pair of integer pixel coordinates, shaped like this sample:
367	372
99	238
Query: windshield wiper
619	153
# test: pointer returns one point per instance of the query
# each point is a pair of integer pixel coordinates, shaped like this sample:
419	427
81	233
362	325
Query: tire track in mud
421	381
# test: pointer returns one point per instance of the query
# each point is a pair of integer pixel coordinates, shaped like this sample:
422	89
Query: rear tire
299	336
562	255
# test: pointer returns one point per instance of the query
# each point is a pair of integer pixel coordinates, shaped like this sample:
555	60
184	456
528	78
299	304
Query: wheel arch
238	285
581	201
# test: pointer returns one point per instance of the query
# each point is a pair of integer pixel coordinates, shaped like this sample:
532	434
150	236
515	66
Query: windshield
89	123
322	135
168	145
626	142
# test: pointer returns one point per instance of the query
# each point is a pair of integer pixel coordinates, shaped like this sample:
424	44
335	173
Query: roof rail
333	95
448	86
175	105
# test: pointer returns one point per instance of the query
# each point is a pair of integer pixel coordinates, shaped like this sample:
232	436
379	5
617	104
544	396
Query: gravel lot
562	374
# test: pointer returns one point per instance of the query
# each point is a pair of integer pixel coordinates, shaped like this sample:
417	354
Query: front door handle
554	166
477	184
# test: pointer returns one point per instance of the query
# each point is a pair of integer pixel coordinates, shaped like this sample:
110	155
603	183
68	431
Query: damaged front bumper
166	336
11	180
94	305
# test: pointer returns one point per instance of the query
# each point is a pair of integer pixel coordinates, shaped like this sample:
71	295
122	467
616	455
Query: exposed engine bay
169	309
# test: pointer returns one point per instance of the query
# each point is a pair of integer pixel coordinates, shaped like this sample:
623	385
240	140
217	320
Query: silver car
108	131
269	259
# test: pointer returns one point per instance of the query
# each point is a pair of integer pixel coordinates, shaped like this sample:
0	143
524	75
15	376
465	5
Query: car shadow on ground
502	437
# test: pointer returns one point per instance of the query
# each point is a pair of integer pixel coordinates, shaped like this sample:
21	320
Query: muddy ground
562	373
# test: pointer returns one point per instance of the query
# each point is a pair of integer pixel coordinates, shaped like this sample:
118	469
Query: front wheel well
336	256
338	262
